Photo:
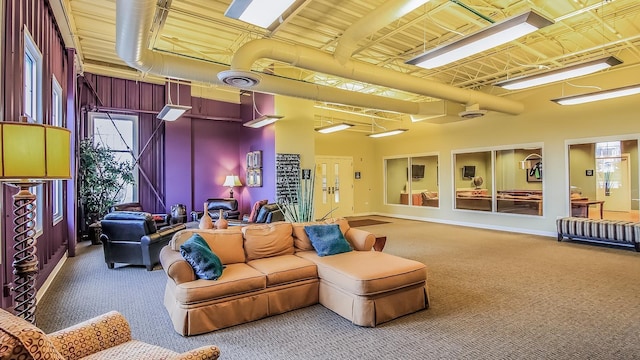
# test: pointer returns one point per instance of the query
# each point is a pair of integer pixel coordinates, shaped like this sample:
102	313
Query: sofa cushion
236	279
205	263
367	272
285	269
261	241
327	239
226	243
300	238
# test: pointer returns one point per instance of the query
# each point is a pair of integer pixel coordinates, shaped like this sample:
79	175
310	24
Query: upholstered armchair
229	207
160	219
132	237
107	336
262	213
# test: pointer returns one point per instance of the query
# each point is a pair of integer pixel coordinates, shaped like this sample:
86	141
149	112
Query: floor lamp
30	154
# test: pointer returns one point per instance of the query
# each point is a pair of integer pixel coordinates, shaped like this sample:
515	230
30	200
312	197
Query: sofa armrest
360	240
210	352
175	266
163	234
92	336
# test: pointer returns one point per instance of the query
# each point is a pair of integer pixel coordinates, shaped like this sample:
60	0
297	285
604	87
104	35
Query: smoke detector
472	111
239	78
470	114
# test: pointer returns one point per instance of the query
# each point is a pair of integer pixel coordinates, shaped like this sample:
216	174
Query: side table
381	240
95	230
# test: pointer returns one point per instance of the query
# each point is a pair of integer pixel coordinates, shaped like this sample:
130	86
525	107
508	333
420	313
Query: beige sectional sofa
273	268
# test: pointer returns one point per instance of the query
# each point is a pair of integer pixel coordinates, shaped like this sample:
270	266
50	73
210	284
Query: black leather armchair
131	237
160	219
229	208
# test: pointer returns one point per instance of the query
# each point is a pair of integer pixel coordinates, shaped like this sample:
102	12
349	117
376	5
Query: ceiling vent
241	79
472	111
470	114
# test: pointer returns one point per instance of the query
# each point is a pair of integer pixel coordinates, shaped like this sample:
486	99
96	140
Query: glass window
519	181
397	180
56	120
604	180
473	179
412	180
119	133
32	100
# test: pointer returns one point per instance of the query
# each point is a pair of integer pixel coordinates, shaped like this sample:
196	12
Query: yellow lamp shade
34	152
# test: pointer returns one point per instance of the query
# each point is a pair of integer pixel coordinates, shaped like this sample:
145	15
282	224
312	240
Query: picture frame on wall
534	174
257	177
257	159
250	178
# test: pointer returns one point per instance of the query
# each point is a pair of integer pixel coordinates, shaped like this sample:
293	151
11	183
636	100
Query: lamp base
25	261
231	193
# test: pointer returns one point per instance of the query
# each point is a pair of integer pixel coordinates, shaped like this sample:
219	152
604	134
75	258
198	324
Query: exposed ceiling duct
316	60
134	18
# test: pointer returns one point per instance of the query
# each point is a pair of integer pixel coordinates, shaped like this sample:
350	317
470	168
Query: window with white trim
56	120
118	133
33	106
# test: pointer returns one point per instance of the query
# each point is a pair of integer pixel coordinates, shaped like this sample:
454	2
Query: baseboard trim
45	286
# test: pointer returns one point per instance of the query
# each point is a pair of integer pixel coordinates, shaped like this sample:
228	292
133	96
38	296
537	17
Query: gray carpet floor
494	295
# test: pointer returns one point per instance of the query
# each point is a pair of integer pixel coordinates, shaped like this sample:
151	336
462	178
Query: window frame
57	116
34	112
92	116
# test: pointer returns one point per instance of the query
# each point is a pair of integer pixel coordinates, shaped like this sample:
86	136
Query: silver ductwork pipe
134	19
381	16
133	22
315	60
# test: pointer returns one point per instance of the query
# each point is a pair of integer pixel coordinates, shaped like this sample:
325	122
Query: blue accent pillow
327	239
205	263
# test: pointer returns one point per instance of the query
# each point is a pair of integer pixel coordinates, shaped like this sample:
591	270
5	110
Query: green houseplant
101	179
301	210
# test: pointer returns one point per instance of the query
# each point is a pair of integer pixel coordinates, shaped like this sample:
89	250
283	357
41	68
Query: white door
614	182
333	186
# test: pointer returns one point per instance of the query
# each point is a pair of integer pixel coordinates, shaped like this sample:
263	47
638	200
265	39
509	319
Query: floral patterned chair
107	336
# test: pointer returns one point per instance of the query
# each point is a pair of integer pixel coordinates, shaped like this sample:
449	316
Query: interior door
333	186
614	182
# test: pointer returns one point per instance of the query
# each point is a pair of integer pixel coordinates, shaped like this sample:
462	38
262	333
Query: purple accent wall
258	139
37	18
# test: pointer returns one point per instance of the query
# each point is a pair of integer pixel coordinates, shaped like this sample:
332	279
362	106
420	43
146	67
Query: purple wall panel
215	155
36	18
258	139
178	165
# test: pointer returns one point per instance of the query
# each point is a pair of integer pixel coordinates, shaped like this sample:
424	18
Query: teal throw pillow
205	263
327	239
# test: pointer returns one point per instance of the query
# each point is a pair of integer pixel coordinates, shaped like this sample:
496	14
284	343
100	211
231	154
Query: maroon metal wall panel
36	17
133	97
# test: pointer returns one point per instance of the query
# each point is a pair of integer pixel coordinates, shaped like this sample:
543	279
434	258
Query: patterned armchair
107	336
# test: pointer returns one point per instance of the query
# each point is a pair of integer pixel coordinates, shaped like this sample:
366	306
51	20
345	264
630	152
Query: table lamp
31	154
231	181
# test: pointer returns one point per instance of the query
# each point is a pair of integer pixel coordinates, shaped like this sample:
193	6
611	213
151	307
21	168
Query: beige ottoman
370	287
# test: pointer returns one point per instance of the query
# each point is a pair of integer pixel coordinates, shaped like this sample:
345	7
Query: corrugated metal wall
144	100
36	17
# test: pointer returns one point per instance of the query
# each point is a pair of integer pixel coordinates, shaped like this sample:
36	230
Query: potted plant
101	180
301	208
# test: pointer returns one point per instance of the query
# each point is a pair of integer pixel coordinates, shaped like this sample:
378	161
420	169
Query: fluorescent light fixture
171	112
485	39
258	12
387	133
263	120
333	128
560	74
598	95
